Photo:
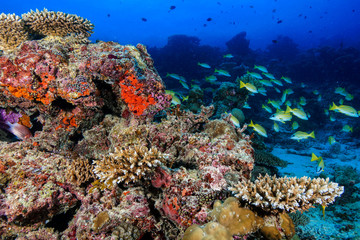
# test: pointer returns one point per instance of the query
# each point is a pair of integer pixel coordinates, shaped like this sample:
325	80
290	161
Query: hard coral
50	23
129	164
287	194
12	31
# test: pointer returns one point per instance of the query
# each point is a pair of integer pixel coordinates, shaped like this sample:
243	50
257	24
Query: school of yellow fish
282	110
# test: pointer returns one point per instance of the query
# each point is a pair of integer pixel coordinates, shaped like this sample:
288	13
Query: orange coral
132	94
41	92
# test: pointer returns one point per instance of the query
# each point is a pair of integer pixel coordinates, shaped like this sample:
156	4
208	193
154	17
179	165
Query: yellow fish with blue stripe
248	86
345	109
320	163
261	68
258	128
299	135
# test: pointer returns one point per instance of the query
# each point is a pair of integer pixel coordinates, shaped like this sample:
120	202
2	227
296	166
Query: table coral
287	194
50	23
12	31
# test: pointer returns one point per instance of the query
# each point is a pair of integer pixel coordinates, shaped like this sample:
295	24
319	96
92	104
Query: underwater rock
67	86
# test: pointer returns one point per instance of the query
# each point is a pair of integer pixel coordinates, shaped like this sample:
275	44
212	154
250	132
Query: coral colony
107	158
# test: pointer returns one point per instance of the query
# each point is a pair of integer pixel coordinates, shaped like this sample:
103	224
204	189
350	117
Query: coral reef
50	23
12	31
229	219
287	194
67	86
109	157
239	44
130	164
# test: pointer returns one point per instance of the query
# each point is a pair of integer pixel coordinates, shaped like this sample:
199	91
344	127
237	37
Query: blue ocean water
315	43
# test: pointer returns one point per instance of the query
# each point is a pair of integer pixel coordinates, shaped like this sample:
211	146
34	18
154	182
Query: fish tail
333	107
314	157
251	124
242	84
312	134
288	109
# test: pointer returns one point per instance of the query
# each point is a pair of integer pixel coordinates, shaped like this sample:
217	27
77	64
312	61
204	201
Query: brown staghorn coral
50	23
12	31
128	164
80	171
286	193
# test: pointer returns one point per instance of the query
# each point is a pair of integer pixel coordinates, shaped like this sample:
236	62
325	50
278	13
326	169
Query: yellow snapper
319	98
254	75
268	75
184	84
295	125
277	90
283	97
248	86
316	92
222	72
274	103
286	79
297	112
277	82
289	91
267	108
326	111
211	79
320	163
288	103
229	55
341	91
332	118
234	120
175	100
345	109
331	140
341	101
281	116
262	91
170	92
174	75
257	128
266	82
261	68
302	85
302	101
299	135
347	128
246	105
276	127
349	97
185	98
204	65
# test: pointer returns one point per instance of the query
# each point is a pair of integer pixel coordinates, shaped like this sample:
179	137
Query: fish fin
242	84
314	157
333	107
312	134
288	109
251	124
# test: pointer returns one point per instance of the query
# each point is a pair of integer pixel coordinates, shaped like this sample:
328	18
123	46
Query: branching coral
287	194
80	171
12	31
128	164
50	23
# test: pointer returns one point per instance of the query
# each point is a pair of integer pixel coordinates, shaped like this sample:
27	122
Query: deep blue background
308	23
